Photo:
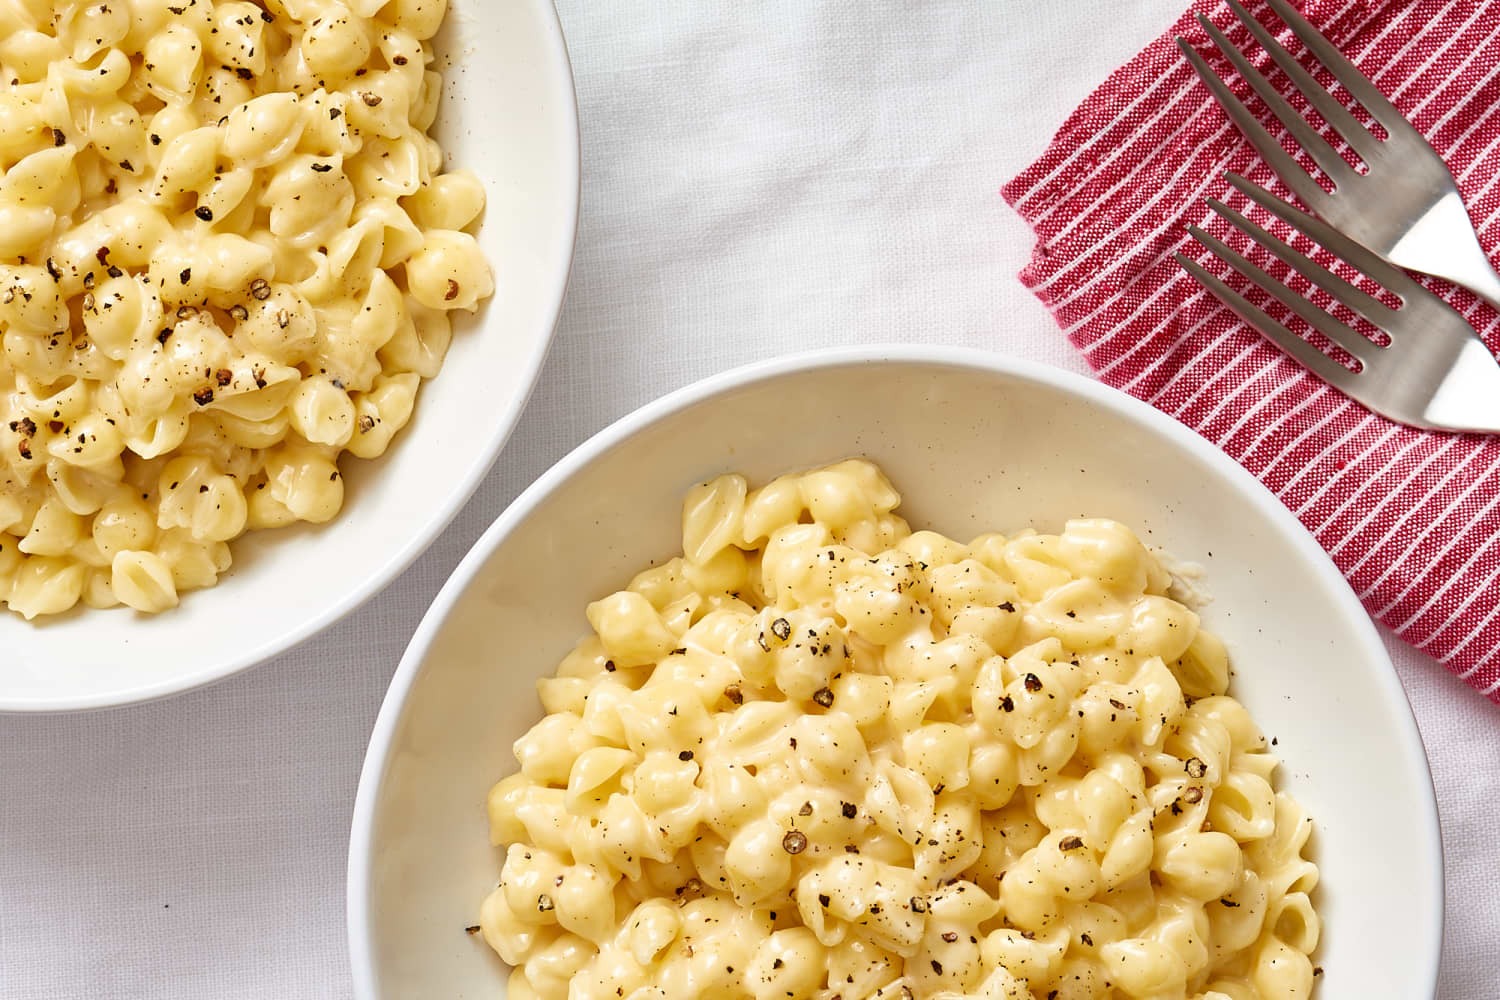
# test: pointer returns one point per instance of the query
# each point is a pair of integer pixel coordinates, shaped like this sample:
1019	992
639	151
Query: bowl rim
562	84
378	752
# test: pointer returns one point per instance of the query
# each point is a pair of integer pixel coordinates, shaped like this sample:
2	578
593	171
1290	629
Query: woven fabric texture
1411	517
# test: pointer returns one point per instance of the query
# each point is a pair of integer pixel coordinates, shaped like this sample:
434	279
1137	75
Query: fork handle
1443	243
1479	278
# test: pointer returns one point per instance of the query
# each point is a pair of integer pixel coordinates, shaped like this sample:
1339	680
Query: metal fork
1435	372
1406	208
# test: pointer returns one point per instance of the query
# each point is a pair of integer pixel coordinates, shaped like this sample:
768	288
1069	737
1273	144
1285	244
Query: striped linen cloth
1411	517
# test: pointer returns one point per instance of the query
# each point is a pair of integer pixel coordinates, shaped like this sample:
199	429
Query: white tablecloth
758	178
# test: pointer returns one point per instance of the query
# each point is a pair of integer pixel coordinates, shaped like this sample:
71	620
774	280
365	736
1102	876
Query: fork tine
1315	360
1335	114
1349	339
1366	305
1365	261
1324	155
1287	168
1344	71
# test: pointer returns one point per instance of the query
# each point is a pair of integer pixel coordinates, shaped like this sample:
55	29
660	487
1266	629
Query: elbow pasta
822	756
228	253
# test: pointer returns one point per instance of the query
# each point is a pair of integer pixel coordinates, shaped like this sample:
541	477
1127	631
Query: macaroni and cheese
228	251
821	755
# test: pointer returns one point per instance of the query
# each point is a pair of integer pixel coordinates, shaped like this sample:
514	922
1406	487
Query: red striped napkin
1411	517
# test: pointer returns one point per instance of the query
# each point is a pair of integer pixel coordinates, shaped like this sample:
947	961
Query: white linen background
758	179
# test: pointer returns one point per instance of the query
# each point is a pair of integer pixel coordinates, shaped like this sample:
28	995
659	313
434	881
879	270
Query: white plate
973	441
508	114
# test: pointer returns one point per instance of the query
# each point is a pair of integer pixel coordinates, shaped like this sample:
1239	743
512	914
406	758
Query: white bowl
974	441
508	114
